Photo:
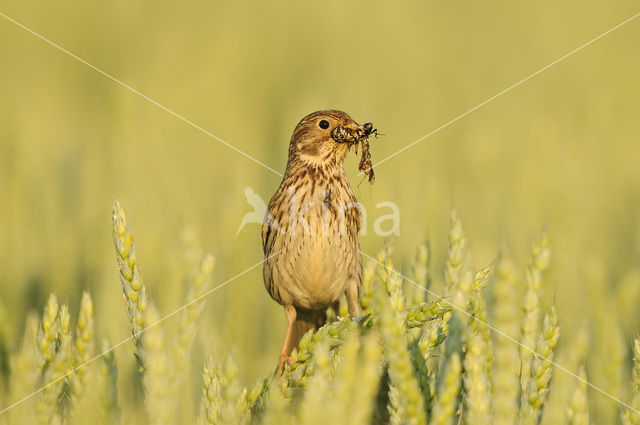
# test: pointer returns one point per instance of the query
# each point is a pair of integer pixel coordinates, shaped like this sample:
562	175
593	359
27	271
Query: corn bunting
310	230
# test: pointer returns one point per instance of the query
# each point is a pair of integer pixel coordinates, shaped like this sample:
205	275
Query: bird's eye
324	124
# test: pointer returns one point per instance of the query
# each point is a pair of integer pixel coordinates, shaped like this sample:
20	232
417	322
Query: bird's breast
316	243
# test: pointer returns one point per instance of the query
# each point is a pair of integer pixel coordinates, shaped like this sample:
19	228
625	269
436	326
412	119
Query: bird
310	230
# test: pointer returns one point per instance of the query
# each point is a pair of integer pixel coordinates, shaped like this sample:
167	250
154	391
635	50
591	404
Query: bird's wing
269	231
271	225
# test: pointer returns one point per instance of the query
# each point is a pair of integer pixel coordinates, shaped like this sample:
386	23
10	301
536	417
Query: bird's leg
290	312
352	300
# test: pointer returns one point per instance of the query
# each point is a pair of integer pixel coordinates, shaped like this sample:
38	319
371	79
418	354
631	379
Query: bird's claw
281	361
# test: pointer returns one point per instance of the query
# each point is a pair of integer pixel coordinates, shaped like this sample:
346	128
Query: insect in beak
368	128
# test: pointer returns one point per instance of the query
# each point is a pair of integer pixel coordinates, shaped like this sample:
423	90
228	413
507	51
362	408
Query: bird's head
324	137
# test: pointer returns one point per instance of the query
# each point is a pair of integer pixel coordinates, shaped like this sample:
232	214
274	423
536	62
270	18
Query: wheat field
543	178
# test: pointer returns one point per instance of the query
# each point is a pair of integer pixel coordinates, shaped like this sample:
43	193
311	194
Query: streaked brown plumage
310	231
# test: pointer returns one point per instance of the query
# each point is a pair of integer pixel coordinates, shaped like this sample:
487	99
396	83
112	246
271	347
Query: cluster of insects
354	138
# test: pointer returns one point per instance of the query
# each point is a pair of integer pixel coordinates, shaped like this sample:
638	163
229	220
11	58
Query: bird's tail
305	320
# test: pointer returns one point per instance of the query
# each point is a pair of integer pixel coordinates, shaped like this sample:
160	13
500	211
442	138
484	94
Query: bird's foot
281	362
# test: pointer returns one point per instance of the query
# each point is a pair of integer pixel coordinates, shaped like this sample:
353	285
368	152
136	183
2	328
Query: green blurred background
557	151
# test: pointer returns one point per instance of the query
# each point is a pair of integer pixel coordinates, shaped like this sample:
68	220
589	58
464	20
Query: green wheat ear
200	283
48	340
421	275
406	401
210	406
541	369
458	284
506	314
478	309
367	288
223	400
313	408
84	344
25	364
578	411
630	417
359	377
277	410
392	282
49	331
157	373
540	253
478	354
295	378
446	400
133	288
54	398
455	266
476	384
234	406
108	382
